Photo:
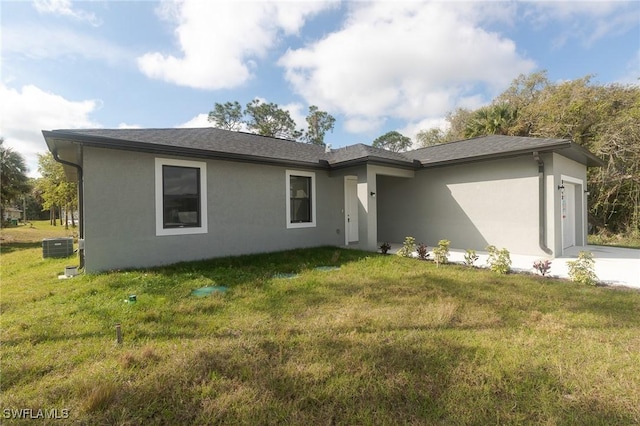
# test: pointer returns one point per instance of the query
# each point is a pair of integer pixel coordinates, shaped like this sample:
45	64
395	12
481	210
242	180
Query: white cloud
632	71
129	126
220	41
363	125
404	60
64	8
412	129
295	111
200	120
586	21
51	42
26	112
471	102
544	12
298	114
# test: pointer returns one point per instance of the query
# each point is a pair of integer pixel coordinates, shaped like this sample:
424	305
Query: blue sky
375	66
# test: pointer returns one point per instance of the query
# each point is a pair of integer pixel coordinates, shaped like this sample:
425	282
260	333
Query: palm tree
495	119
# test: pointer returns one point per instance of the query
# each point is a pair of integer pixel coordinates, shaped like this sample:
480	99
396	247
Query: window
181	202
301	199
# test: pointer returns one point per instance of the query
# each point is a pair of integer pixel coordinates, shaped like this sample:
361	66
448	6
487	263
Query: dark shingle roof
496	146
361	152
218	143
212	142
205	141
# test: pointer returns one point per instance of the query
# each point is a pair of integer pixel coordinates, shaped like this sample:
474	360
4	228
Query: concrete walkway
614	266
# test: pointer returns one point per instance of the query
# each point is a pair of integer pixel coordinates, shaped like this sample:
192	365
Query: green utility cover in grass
206	291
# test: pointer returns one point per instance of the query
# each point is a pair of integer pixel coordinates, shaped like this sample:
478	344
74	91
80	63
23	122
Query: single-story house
11	213
159	196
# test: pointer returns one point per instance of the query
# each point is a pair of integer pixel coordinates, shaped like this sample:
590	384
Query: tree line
47	196
268	119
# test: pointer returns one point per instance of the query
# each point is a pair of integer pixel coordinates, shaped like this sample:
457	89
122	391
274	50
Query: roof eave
69	151
126	145
492	156
568	149
361	161
581	154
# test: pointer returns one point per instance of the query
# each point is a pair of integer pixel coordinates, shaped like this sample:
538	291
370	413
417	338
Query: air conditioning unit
57	247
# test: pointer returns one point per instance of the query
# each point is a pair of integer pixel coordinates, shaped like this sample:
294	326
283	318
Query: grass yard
627	240
380	340
30	235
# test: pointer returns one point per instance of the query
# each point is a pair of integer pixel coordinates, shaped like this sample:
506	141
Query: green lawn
381	340
627	240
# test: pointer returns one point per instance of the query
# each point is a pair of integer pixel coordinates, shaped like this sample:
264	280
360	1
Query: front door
351	209
568	215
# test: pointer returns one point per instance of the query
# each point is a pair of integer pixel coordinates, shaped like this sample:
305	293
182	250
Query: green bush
499	260
581	270
441	253
408	247
470	257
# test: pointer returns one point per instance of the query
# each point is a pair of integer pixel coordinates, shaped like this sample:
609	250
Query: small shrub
441	253
581	270
542	266
423	252
499	260
385	247
470	257
408	247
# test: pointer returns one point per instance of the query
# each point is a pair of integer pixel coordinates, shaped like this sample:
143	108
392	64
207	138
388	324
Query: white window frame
312	175
160	229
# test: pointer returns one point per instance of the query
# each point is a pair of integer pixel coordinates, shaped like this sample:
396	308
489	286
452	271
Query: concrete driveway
614	265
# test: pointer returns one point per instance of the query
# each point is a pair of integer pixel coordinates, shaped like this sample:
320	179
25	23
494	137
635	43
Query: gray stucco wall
246	212
472	205
561	168
367	177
